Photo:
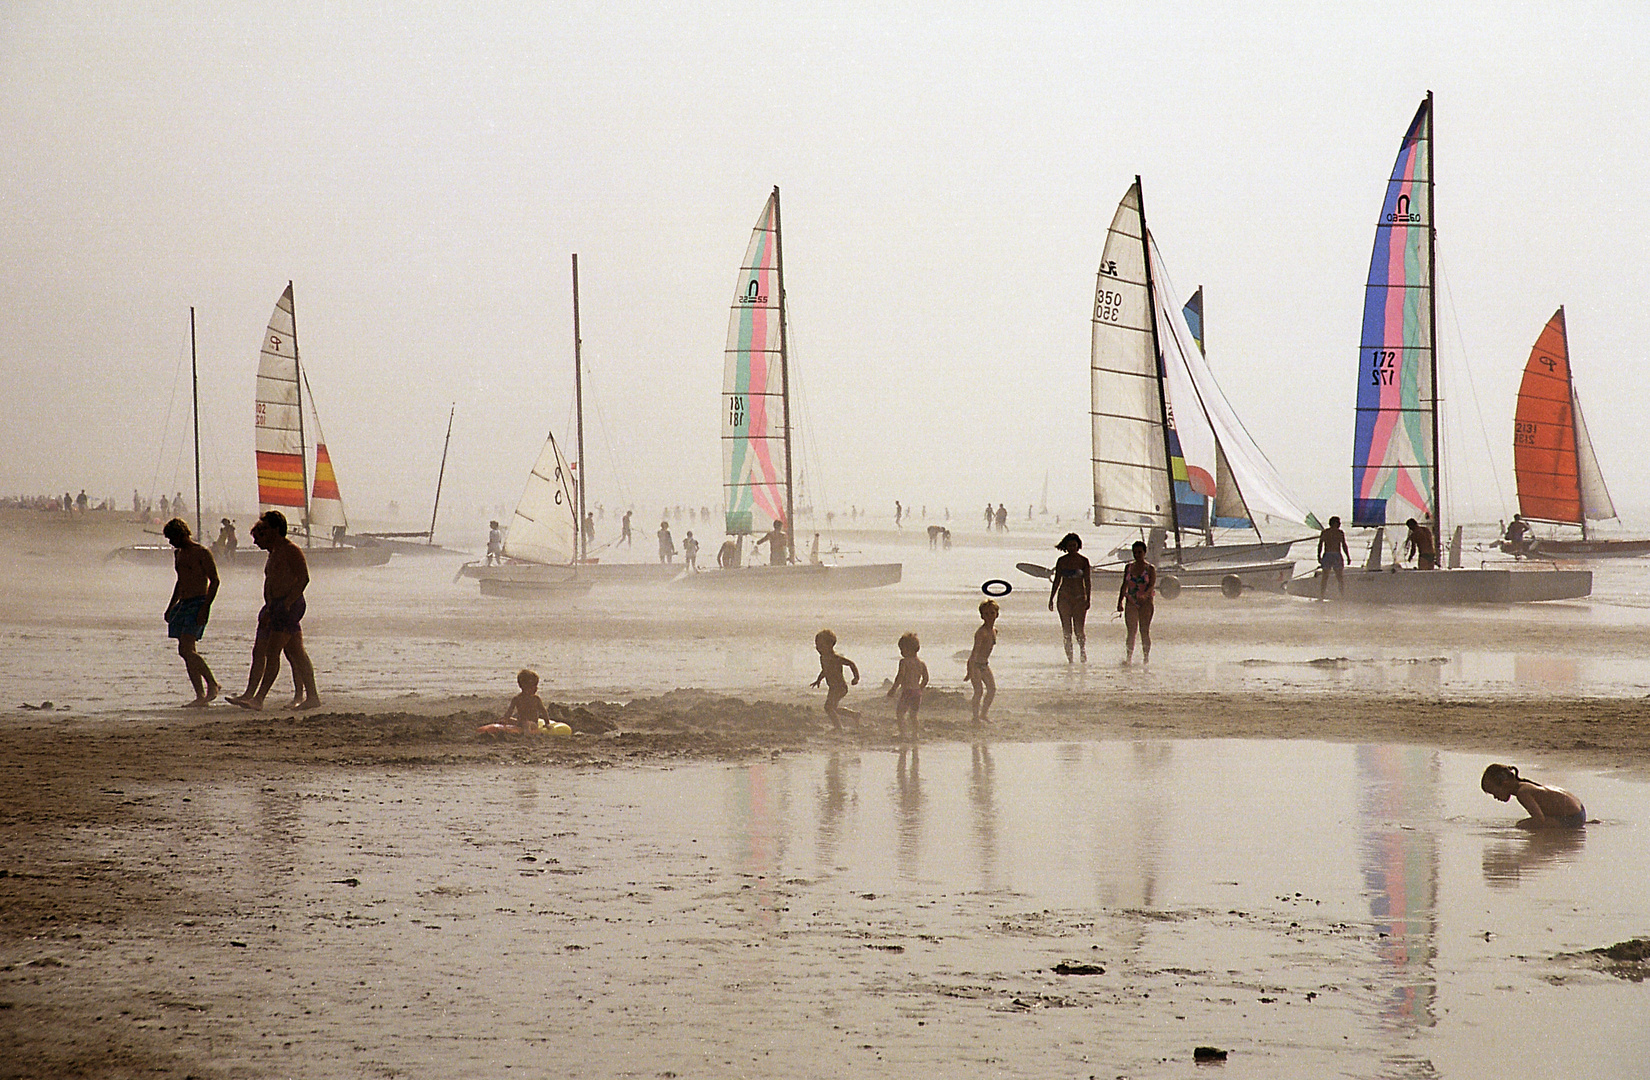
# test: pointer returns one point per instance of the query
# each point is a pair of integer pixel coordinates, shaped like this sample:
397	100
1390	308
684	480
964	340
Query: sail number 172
1383	366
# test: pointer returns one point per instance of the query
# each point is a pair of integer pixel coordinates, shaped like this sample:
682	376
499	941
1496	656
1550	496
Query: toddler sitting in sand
1549	807
526	711
909	682
831	664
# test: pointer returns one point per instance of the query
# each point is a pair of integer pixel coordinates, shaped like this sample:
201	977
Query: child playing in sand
979	661
909	683
831	664
526	708
1549	807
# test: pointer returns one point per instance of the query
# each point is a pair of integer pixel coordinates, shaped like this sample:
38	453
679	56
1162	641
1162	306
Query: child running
1549	807
979	661
909	683
831	664
526	708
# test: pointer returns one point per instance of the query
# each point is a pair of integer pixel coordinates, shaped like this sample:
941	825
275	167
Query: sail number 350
1383	367
1108	305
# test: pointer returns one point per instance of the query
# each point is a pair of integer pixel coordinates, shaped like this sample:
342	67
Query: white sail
280	445
1596	504
544	528
1131	477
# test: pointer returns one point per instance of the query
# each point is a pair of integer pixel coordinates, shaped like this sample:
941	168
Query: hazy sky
422	172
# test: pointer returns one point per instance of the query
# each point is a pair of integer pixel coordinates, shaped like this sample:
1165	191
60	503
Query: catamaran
1169	452
283	451
1396	466
1559	481
756	437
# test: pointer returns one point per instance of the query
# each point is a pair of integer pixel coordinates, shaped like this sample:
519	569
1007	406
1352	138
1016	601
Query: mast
195	393
298	390
1575	435
1432	335
439	476
1157	351
578	411
785	375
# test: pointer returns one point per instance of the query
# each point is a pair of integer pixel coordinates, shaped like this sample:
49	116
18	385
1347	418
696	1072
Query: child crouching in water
831	664
526	709
1549	807
909	683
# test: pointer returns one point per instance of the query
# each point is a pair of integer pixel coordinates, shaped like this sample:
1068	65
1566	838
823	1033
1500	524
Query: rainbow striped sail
280	444
1394	452
753	388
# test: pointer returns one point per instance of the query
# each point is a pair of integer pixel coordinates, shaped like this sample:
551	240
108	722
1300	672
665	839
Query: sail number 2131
1383	366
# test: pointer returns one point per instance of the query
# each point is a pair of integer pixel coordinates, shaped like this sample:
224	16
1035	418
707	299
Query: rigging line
622	484
1466	365
818	493
166	424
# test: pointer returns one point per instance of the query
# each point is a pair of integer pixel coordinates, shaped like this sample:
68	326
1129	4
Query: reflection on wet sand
833	807
1548	672
1507	861
1399	861
982	797
756	817
908	812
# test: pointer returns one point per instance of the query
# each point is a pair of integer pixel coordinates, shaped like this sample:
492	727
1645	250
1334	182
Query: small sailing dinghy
1559	481
1169	453
756	438
283	456
545	551
1396	467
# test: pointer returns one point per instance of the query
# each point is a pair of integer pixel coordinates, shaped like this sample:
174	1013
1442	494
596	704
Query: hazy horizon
947	179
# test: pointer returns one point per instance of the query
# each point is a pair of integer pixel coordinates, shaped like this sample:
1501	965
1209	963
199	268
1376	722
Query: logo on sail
1402	215
753	293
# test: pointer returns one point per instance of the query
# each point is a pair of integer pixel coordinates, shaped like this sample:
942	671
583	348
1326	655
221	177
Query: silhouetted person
191	606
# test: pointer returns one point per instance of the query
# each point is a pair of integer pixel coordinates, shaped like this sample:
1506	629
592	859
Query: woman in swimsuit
1134	600
1070	592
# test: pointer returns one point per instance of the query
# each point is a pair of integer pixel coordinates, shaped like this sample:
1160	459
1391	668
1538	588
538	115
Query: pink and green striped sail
1393	451
753	388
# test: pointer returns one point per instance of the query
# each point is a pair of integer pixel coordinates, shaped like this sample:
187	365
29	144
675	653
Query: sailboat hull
321	558
1450	588
802	577
1582	549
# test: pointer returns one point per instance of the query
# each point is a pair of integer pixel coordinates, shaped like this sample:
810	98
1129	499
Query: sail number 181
1383	366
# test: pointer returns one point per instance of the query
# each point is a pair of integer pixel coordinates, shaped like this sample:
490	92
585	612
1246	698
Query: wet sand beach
1271	841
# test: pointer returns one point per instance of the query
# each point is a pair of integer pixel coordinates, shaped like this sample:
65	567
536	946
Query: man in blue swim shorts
1333	554
191	606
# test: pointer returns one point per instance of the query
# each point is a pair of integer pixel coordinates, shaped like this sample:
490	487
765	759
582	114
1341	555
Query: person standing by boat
667	543
286	575
779	547
191	606
1333	554
227	541
624	529
1072	582
1518	536
495	543
1419	545
589	529
1135	599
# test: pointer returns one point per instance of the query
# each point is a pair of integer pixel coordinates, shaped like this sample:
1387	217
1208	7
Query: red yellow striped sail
326	483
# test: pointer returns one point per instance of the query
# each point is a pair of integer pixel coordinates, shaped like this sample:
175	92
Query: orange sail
1544	431
326	483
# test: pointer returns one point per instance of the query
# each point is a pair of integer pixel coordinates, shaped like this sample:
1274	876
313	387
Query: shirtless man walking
286	573
191	606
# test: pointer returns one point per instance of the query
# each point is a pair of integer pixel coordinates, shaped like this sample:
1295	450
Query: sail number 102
1383	366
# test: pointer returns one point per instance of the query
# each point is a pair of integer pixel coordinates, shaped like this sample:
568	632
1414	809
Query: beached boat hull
524	576
1581	549
802	577
1267	552
319	558
1231	578
1450	587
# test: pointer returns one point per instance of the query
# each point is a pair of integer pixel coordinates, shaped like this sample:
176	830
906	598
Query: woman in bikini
1134	600
1070	593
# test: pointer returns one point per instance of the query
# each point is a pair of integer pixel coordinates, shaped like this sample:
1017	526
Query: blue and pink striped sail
1393	449
753	388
